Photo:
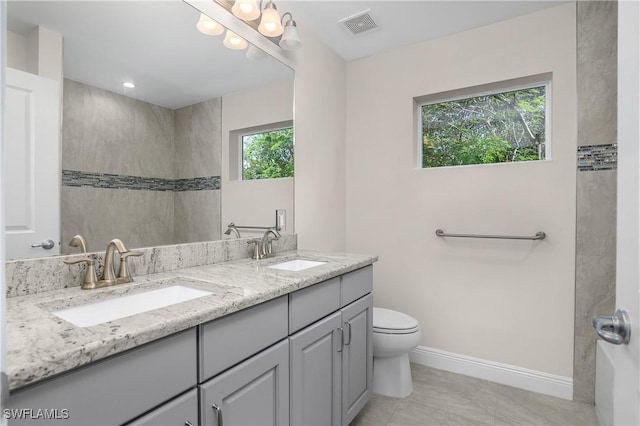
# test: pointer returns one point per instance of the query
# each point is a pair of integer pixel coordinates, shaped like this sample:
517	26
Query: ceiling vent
359	23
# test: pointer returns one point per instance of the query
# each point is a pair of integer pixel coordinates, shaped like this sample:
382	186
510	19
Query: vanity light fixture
208	26
246	9
264	18
128	84
291	37
234	41
270	25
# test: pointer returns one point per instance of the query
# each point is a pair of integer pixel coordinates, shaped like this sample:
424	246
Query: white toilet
394	335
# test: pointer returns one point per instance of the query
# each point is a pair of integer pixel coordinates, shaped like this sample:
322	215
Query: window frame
488	90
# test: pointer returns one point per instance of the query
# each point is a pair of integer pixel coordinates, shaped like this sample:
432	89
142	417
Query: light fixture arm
268	1
290	18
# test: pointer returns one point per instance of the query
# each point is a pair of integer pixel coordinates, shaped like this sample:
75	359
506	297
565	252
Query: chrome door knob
615	329
46	244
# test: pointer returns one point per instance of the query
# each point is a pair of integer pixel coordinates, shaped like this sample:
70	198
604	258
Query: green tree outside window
268	155
498	128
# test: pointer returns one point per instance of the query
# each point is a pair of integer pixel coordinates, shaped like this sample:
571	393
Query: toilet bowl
394	335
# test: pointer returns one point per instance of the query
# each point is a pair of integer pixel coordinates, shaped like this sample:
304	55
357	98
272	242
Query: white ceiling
401	23
155	43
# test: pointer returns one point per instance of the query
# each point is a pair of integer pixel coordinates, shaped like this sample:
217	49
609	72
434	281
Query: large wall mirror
153	164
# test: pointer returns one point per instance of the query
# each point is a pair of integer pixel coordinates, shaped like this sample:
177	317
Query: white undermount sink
296	265
125	306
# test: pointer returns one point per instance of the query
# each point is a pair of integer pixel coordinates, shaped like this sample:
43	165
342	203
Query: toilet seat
387	321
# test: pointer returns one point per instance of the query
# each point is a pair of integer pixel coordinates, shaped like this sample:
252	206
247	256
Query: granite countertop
41	345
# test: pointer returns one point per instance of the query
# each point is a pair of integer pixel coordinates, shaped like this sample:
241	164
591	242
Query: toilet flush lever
615	329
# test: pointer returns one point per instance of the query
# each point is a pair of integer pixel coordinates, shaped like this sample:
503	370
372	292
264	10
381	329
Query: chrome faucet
262	247
79	241
232	227
108	275
267	248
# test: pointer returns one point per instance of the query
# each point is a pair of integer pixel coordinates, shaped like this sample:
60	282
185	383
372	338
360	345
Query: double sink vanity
278	341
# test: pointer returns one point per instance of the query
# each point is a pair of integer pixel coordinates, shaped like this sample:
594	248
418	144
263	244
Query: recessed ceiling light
128	85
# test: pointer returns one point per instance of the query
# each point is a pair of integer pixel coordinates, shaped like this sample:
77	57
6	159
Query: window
267	154
492	127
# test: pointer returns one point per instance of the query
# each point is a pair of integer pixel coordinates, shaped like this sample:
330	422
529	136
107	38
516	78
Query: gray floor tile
377	412
519	407
443	398
416	414
467	397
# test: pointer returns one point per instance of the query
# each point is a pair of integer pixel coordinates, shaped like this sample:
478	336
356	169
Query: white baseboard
518	377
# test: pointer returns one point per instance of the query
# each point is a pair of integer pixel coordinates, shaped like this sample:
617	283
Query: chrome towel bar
539	236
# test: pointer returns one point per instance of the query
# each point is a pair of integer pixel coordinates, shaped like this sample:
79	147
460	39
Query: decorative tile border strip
597	157
110	181
197	184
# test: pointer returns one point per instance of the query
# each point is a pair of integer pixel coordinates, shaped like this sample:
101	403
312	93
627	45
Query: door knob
615	329
46	244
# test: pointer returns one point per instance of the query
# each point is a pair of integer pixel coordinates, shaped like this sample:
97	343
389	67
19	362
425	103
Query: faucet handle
123	273
257	248
268	248
90	278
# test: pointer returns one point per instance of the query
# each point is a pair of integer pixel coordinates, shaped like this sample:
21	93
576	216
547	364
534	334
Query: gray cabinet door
180	411
316	365
255	392
357	357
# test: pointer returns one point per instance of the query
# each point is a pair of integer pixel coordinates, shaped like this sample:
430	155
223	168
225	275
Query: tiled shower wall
198	151
136	171
596	183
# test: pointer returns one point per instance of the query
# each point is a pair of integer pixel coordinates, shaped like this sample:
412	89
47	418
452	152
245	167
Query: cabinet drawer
119	388
226	341
356	284
313	303
180	411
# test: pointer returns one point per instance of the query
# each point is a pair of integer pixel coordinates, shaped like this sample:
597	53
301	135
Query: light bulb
290	38
208	26
234	41
246	9
270	25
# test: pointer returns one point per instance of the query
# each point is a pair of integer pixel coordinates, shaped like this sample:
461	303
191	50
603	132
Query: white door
31	164
627	357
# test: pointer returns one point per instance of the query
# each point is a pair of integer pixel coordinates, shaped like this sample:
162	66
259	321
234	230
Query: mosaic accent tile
597	157
197	184
140	183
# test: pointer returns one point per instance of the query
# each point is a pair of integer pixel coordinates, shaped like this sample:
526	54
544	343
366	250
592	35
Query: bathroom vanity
268	347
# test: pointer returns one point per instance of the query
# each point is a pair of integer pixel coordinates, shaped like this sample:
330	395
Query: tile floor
443	398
